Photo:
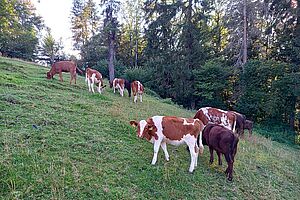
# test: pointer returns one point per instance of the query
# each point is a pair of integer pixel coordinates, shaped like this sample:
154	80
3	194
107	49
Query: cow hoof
229	178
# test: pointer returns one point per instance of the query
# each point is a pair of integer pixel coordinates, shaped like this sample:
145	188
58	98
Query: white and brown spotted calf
162	130
119	83
137	90
92	77
217	116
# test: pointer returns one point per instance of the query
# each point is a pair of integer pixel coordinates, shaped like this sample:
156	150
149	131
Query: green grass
60	142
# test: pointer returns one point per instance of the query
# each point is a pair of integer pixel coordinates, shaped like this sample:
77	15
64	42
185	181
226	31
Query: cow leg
197	153
75	77
122	92
89	84
229	167
99	88
135	99
201	147
92	85
164	148
60	77
193	156
219	157
156	149
141	98
114	89
211	151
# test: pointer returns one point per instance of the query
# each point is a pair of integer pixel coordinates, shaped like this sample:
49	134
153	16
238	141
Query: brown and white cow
63	66
216	116
163	130
222	140
119	83
137	90
92	77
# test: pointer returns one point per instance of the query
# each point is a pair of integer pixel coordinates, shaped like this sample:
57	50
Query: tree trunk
245	35
111	67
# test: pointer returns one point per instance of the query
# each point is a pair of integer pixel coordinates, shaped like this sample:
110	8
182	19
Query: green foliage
19	26
84	20
94	50
270	90
137	73
101	66
212	84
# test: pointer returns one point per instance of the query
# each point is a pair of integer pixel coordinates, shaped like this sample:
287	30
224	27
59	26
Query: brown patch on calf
150	130
119	81
174	129
215	115
90	72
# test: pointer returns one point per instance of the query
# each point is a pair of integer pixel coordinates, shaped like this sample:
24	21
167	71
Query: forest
241	55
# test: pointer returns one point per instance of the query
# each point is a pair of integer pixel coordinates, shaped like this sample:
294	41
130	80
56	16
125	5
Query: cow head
145	129
249	125
49	75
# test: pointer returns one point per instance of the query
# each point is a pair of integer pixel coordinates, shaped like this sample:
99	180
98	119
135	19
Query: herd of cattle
216	128
93	77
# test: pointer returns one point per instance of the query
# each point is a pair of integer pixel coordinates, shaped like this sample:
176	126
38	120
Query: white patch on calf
143	123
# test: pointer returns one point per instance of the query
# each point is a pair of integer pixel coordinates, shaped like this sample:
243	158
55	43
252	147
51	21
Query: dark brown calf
242	124
249	126
222	140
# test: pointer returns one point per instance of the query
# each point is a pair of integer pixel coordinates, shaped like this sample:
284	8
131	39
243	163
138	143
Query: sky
56	15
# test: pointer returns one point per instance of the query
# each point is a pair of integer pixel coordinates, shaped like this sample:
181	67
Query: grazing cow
128	87
137	89
162	130
217	116
249	126
242	124
92	77
222	140
63	66
119	83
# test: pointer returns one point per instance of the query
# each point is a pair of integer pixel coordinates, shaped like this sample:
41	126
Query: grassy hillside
60	142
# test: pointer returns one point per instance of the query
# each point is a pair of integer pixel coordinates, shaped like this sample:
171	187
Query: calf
249	126
242	124
162	130
63	66
92	77
137	89
217	116
222	140
119	83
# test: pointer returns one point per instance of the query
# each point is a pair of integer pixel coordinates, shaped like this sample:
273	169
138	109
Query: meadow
61	142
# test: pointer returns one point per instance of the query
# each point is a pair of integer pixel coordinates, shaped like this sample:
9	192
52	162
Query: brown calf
222	140
163	130
119	83
63	66
92	77
217	116
137	89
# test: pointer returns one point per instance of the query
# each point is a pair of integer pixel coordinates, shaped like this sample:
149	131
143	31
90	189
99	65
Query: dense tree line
239	55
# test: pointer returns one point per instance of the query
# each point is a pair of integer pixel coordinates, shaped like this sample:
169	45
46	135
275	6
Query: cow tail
78	70
234	144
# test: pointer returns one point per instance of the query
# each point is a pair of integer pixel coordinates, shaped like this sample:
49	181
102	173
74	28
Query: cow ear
133	123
